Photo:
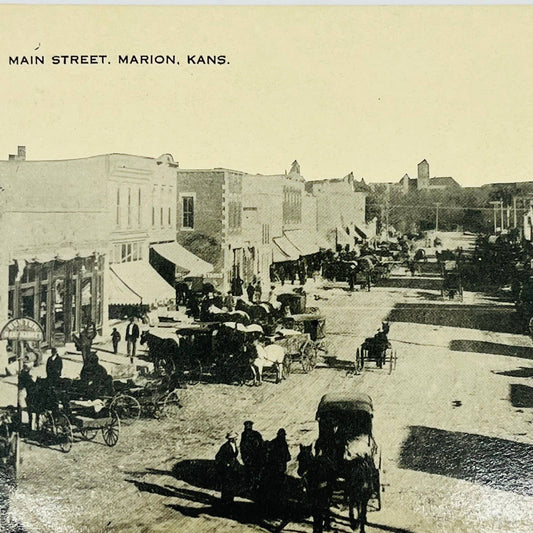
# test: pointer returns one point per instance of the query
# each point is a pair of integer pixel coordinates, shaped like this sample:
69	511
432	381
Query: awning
343	237
360	232
183	259
135	281
305	241
284	250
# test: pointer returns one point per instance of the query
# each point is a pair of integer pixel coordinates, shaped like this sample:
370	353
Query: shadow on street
521	396
495	348
414	282
484	317
498	463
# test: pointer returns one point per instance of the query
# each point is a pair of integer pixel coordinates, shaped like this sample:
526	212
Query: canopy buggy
345	437
452	284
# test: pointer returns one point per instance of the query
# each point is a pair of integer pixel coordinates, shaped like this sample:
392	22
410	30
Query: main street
453	423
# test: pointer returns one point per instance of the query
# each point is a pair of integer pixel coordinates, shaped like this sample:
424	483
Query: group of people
264	462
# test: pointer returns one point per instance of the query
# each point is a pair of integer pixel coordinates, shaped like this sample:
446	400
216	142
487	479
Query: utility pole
495	203
501	211
437	218
514	212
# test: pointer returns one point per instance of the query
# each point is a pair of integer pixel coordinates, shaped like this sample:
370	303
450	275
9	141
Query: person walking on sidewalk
115	339
132	334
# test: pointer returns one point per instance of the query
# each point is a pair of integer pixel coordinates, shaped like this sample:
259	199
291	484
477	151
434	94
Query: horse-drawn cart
299	348
314	324
345	438
376	349
90	416
452	284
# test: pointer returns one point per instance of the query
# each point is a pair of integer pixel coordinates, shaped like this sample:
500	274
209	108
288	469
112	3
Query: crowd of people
264	466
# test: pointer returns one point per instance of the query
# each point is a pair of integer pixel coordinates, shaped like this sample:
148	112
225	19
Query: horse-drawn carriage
345	439
155	397
452	284
312	340
376	349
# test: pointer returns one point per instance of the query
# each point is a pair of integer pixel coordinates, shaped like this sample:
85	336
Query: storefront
63	294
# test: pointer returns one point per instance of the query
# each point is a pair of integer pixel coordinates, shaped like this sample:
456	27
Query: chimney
21	153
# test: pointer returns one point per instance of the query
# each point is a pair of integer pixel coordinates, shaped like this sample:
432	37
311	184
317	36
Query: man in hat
227	467
132	334
252	454
54	367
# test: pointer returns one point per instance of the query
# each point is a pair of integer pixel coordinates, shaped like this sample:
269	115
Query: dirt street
453	421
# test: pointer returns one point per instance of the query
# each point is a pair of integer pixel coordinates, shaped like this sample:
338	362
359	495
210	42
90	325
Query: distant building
340	209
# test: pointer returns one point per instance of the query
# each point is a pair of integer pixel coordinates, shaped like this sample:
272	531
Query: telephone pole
437	217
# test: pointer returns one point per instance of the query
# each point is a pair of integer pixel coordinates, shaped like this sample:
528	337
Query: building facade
54	258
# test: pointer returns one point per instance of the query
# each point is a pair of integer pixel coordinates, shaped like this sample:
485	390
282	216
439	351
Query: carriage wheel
194	374
88	433
127	408
63	433
111	431
171	404
48	427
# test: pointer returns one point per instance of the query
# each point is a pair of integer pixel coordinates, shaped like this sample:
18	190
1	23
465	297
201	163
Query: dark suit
227	470
132	334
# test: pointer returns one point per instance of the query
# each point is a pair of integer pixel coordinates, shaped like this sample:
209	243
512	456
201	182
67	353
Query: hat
248	423
281	431
231	435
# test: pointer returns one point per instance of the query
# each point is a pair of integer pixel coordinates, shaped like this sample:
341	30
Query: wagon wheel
195	372
111	430
48	427
127	408
171	404
63	433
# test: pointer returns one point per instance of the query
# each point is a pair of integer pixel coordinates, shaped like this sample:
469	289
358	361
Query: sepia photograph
266	269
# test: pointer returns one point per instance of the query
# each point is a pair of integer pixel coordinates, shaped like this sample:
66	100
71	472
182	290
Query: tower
423	175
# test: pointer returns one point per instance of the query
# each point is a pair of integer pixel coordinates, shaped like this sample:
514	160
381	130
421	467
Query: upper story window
117	216
188	212
139	208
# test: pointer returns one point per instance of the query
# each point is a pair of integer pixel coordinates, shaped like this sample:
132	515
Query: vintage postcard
266	269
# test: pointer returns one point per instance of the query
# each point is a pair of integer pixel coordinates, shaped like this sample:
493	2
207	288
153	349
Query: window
117	221
139	210
129	207
188	211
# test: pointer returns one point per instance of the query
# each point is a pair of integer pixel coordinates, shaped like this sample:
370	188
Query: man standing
227	467
132	334
115	339
252	454
54	367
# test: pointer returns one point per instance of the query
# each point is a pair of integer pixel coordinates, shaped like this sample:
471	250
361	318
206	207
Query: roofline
80	158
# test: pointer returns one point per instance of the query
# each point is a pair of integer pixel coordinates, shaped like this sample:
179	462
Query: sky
365	89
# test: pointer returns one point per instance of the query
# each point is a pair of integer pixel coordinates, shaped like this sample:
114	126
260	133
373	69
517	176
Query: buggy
377	349
452	285
343	418
314	324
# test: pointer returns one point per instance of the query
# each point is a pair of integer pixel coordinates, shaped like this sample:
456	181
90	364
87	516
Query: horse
360	475
162	352
40	398
318	475
272	355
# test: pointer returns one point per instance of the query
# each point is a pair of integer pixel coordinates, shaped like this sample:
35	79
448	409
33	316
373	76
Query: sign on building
22	329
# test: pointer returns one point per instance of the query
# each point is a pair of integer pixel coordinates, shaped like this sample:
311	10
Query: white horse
272	355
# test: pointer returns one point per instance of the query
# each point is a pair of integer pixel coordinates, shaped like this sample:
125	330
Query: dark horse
40	398
163	352
318	474
359	473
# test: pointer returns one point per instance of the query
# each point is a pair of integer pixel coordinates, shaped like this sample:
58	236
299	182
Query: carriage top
346	405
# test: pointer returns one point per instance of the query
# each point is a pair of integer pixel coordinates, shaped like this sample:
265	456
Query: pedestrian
227	466
54	367
236	286
250	290
258	291
132	334
252	454
115	339
352	277
273	491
